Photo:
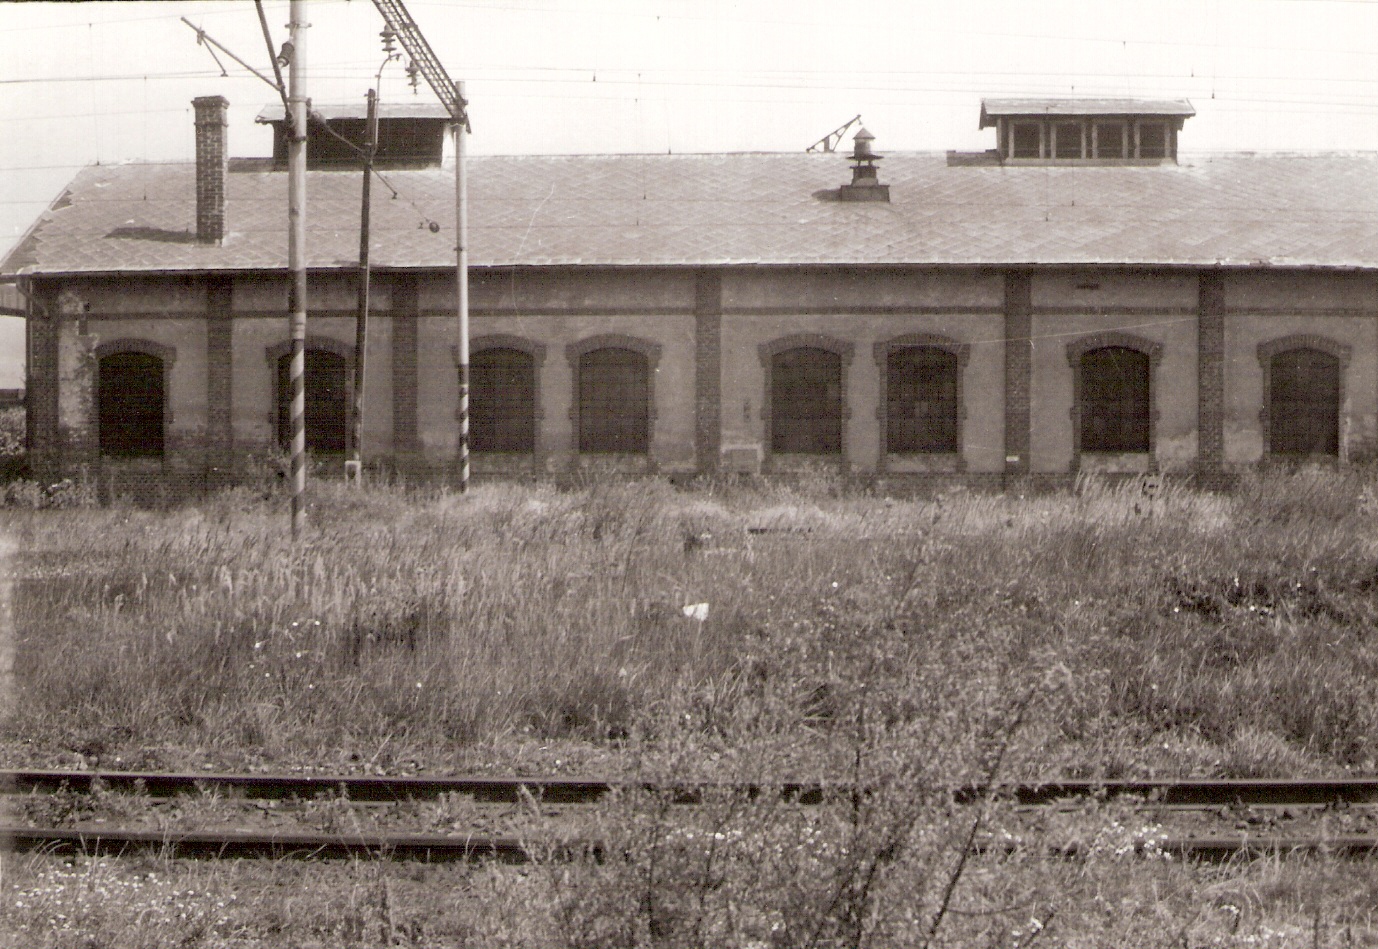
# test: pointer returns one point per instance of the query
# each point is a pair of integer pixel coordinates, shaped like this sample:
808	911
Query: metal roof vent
865	185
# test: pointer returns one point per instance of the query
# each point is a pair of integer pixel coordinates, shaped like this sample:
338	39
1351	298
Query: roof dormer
410	135
1086	131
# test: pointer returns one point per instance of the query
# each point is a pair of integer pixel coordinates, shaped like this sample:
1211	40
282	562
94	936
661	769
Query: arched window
614	401
806	402
502	394
327	401
132	405
921	400
1304	403
1115	400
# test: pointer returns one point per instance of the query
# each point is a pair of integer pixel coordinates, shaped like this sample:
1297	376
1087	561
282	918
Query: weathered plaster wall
1155	306
1264	307
532	291
76	367
672	438
857	306
255	405
185	384
862	308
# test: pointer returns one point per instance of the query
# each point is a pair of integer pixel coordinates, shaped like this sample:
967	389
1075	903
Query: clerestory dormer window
1093	131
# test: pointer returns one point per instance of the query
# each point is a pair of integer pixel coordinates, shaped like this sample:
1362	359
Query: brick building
1080	297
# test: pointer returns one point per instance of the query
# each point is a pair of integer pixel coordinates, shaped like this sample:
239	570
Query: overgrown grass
1024	899
735	631
1191	633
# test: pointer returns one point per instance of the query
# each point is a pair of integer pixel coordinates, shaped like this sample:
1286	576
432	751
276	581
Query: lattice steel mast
451	96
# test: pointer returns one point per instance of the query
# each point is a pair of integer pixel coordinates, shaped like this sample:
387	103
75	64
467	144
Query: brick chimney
212	166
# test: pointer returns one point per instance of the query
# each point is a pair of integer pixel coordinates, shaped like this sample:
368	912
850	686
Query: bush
12	428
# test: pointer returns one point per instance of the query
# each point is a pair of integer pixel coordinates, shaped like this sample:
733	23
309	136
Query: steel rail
435	848
1248	792
232	844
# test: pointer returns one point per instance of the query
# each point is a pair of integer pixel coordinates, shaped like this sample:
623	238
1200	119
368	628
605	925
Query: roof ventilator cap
865	185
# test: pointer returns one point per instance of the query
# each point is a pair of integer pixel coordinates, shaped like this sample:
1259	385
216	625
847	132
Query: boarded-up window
1115	403
131	405
1068	139
1109	139
806	402
614	403
327	402
921	400
1026	140
1304	403
502	401
1153	140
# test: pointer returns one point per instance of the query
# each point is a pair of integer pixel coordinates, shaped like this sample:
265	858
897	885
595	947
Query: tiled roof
1238	209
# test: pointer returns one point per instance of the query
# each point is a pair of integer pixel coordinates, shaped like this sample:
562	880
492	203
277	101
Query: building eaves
386	110
992	109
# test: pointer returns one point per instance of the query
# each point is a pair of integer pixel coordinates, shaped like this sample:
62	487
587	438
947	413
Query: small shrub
12	432
24	494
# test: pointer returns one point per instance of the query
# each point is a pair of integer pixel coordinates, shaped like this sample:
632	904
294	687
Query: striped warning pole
462	289
296	254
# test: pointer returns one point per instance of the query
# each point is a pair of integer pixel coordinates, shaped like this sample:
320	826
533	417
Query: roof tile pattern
1280	210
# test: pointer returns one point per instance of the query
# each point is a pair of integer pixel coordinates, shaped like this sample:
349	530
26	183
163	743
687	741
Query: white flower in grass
696	611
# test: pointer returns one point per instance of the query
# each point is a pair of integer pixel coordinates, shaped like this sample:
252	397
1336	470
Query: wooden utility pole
354	467
296	254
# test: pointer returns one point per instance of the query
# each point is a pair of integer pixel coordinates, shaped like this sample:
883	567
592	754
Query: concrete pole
462	294
296	255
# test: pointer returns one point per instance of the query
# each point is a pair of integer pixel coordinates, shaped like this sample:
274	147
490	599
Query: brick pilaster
45	455
1210	381
219	383
708	368
1018	371
405	309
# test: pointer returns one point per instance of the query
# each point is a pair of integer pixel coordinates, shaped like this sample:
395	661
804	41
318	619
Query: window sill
1272	460
133	462
614	462
502	462
938	462
1116	462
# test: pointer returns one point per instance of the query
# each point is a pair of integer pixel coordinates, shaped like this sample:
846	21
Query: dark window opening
1115	400
327	402
1067	138
130	415
1304	403
502	401
1025	140
921	400
614	402
806	402
1109	139
1153	140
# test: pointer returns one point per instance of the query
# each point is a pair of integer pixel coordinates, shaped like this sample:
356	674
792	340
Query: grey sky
112	82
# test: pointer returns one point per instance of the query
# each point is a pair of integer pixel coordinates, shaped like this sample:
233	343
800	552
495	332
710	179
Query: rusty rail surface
439	848
1251	792
371	789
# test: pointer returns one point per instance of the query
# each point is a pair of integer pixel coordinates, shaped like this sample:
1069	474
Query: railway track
1227	796
1247	792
